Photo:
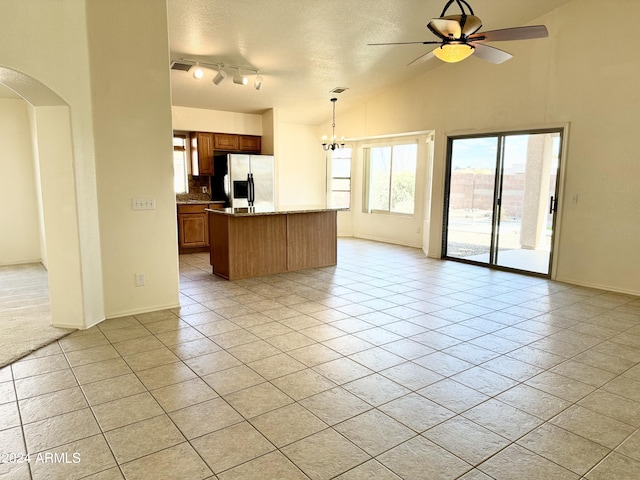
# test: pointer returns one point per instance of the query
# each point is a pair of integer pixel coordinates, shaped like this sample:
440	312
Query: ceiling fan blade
490	54
422	58
405	43
515	33
445	28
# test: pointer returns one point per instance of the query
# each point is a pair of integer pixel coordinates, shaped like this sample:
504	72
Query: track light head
220	76
198	73
239	79
259	81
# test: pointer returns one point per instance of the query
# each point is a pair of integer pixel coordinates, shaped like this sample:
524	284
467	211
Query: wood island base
248	244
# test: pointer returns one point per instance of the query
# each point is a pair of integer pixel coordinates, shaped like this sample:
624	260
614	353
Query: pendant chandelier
334	144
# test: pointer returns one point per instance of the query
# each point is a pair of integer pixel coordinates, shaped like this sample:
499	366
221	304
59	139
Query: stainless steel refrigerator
249	181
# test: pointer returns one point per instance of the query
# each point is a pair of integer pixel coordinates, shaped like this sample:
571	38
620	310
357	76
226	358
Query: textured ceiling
305	48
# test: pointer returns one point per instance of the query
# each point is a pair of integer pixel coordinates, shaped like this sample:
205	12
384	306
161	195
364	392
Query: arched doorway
69	235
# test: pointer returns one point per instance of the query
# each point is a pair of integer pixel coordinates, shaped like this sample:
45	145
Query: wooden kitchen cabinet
225	141
250	143
202	148
193	228
205	144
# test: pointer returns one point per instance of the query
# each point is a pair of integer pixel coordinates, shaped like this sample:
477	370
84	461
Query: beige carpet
25	315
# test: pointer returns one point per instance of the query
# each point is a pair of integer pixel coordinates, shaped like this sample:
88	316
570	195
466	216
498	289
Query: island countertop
251	211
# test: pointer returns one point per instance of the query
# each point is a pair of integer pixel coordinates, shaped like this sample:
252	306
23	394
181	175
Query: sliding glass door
501	199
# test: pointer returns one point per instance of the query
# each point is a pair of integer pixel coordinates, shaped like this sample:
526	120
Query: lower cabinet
193	228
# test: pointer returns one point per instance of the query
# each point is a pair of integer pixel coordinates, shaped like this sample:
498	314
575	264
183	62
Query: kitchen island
250	242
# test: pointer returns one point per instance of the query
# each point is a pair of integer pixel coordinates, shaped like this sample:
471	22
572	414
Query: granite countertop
196	202
250	211
194	198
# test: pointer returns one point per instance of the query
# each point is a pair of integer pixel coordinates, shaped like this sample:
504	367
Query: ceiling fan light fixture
459	37
453	52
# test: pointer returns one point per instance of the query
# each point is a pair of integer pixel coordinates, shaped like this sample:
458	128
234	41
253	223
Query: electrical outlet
139	279
144	203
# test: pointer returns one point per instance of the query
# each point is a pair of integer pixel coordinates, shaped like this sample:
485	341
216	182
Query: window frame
367	190
185	171
331	178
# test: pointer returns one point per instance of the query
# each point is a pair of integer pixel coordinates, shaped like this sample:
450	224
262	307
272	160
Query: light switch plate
144	203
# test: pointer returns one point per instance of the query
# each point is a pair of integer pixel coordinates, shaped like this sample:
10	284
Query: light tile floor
389	366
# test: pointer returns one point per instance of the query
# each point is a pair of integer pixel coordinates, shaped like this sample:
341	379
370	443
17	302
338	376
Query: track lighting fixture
186	65
198	73
220	76
259	80
239	79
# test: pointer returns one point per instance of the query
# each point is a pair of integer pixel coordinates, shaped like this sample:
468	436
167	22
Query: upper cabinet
224	141
250	143
204	145
202	148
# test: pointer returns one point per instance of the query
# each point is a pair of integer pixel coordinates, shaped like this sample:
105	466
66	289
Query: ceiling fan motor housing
455	27
469	24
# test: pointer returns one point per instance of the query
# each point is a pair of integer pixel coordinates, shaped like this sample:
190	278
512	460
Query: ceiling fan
459	37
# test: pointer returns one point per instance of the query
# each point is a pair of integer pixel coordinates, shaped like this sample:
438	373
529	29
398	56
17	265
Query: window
341	178
391	175
180	184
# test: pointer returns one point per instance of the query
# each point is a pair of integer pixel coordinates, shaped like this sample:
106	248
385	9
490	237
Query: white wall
597	92
300	166
133	149
44	259
60	212
269	132
202	120
19	219
548	82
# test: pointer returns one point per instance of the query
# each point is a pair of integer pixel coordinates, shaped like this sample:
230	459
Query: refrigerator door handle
251	196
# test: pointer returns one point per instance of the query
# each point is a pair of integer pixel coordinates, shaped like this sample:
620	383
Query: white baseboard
127	313
21	262
597	286
383	240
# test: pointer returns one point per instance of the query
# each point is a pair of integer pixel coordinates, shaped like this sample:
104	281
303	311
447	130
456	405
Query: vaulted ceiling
305	48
